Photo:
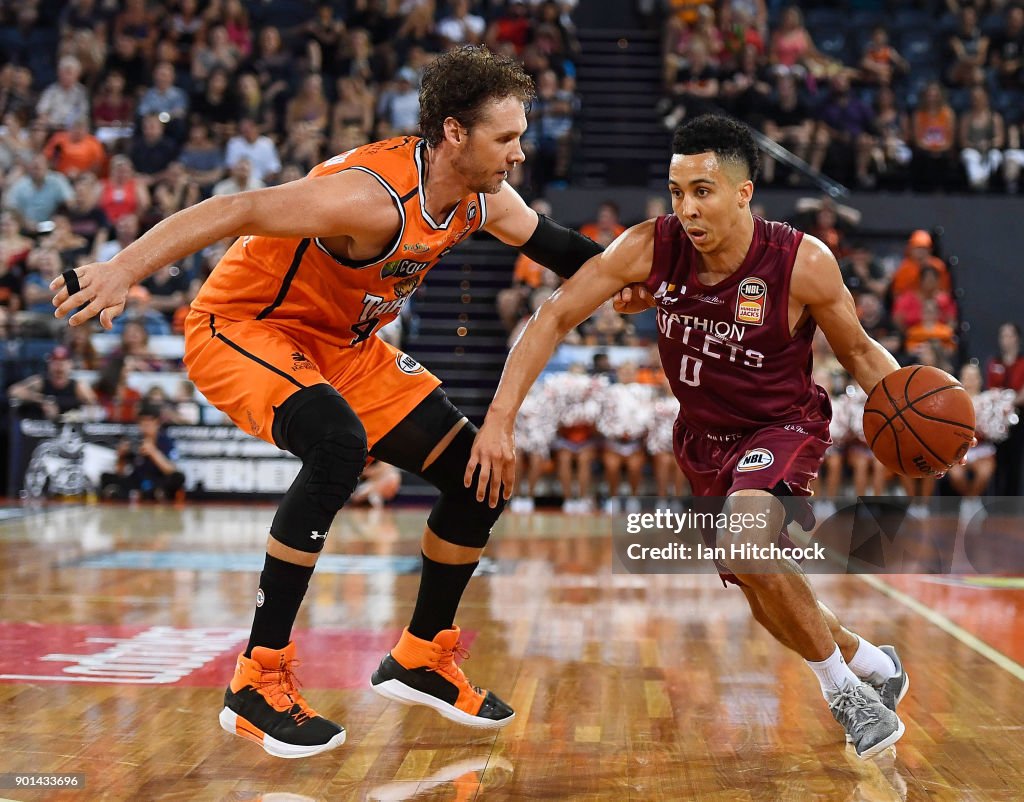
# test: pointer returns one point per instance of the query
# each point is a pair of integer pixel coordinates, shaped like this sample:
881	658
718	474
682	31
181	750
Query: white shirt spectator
62	106
259	150
462	28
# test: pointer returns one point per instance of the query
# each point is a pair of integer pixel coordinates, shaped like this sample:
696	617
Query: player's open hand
494	452
632	298
101	288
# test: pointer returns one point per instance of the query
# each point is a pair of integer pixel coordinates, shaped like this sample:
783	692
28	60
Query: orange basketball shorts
248	368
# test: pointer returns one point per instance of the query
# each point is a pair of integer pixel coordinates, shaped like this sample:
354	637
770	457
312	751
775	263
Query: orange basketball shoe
263	704
423	672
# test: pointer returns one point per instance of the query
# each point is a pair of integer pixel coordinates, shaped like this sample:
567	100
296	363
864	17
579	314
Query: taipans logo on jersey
402	268
406	286
668	294
755	459
418	247
301	362
471	212
750	303
408	365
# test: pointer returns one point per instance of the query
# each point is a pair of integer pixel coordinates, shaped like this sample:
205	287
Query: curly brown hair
461	82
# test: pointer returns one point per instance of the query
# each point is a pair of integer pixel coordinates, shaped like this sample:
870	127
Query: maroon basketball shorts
782	459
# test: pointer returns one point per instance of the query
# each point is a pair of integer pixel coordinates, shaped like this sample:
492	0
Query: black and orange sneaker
263	704
423	672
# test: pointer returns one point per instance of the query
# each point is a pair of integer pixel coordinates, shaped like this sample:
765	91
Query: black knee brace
457	516
319	427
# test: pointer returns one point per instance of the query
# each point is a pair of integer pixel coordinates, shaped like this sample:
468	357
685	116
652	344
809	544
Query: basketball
919	421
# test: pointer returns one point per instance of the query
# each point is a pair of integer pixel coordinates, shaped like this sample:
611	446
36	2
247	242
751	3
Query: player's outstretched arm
626	261
818	284
326	206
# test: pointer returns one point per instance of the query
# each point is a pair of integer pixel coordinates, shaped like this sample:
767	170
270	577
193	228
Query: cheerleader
535	428
576	400
626	415
992	411
669	481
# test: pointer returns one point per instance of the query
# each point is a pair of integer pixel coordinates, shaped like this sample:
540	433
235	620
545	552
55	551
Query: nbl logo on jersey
751	302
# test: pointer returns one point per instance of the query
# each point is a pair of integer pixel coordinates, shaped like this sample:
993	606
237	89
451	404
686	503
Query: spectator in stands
740	31
789	121
918	255
968	50
354	106
172	193
139	309
1006	370
65	241
548	138
273	66
49	395
891	153
512	25
215	53
167	101
153	151
606	227
881	63
235	19
259	150
692	85
135	345
66	101
202	158
877	322
1014	158
43	266
309	107
217	104
931	328
399	105
84	215
119	401
982	138
122	192
185	25
241	179
136	22
608	327
83	15
324	35
78	341
1006	53
113	111
862	272
15	146
16	93
168	289
512	303
14	251
933	137
746	92
127	59
908	306
39	193
76	150
460	26
146	466
126	232
972	479
850	125
793	50
830	228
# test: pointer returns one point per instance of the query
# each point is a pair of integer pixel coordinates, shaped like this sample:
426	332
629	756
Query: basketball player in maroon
738	299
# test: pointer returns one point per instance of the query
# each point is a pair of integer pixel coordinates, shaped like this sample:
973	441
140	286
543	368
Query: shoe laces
850	703
280	687
444	664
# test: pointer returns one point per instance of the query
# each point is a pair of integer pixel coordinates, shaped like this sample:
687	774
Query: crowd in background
926	95
115	114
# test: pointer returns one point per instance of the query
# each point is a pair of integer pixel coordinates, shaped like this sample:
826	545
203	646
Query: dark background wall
982	236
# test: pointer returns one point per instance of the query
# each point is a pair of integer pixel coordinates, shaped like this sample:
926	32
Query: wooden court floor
119	627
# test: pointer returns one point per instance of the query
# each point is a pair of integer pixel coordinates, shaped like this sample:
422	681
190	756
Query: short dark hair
727	138
461	82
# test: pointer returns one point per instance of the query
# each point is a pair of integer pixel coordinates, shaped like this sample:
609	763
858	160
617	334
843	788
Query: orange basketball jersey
299	284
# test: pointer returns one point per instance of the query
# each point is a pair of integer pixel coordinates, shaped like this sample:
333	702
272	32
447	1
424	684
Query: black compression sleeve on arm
558	248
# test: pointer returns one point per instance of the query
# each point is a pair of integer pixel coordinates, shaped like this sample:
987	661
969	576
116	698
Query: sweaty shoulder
347	203
816	277
631	254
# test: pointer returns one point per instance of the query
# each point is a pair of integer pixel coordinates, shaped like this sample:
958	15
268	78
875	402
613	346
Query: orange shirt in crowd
528	272
71	157
935	130
908	275
600	235
922	333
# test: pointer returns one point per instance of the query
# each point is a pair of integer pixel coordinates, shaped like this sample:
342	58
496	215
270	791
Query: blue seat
831	42
919	47
909	18
824	18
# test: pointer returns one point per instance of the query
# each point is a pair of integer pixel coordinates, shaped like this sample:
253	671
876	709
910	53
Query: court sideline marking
947	626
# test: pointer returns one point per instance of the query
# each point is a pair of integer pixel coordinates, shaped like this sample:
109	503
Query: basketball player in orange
282	338
738	299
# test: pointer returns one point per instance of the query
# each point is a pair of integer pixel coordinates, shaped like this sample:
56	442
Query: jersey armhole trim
418	158
364	263
483	210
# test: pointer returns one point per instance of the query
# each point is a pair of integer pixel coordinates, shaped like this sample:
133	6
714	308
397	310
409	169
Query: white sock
833	673
870	661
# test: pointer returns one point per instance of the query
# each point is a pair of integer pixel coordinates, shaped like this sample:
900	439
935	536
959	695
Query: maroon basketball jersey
727	349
